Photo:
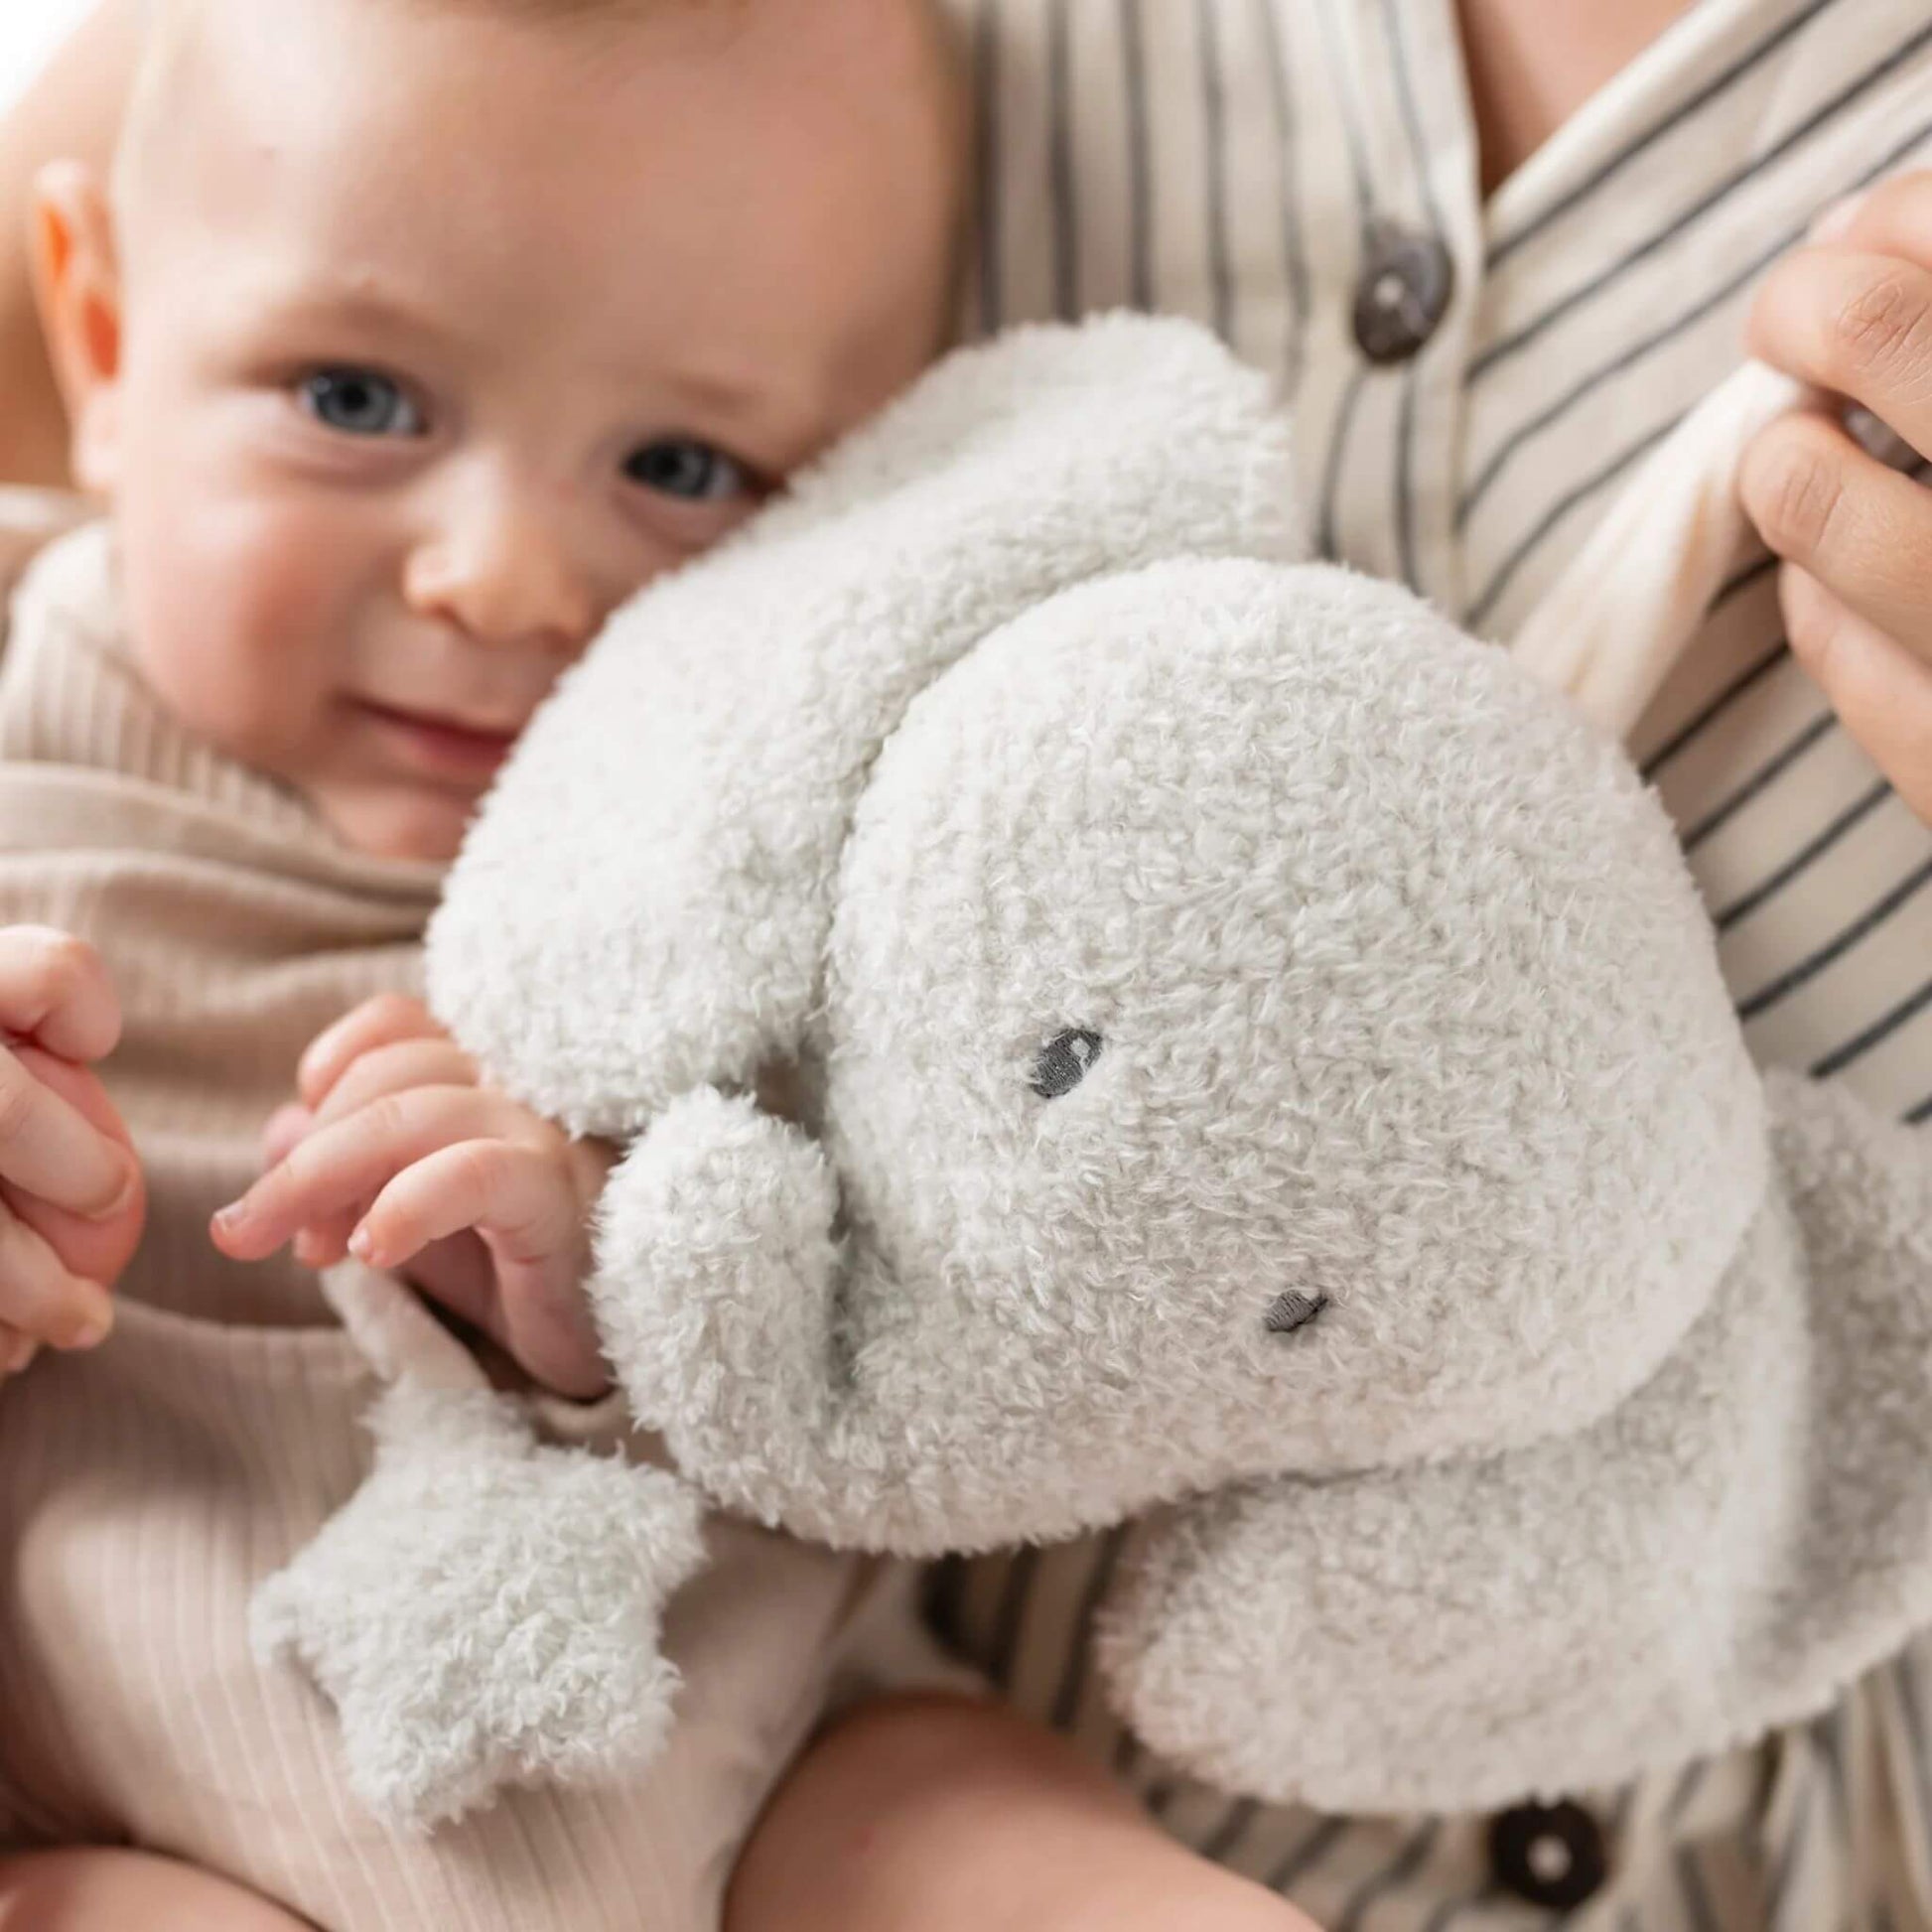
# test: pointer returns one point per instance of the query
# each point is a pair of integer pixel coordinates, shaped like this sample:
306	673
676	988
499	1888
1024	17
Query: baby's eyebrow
356	304
718	393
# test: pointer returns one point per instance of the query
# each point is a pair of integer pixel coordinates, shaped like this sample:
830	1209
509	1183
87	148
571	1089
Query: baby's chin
404	825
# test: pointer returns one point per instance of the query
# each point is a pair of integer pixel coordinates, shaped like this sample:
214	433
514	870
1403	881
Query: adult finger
1881	691
56	989
1858	323
379	1022
1862	530
1892	219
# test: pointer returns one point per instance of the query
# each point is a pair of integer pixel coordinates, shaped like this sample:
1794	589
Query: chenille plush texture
1265	1076
486	1609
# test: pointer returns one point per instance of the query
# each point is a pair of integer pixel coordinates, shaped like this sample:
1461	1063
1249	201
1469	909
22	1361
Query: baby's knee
935	1813
93	1891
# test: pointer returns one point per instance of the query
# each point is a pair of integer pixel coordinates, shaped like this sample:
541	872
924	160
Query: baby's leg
938	1814
109	1891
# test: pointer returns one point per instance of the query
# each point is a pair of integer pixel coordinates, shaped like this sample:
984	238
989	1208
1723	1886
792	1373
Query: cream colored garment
1627	606
147	1488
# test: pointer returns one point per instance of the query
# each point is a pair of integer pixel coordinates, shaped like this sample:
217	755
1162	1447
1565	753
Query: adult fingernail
1834	221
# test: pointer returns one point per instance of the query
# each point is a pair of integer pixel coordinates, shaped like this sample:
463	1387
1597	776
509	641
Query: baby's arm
924	1813
400	1153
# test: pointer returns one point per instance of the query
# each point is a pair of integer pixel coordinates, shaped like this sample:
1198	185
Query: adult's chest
1472	381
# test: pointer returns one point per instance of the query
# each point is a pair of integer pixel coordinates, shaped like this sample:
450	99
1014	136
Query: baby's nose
503	572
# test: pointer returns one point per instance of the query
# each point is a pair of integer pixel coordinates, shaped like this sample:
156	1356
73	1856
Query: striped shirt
1262	165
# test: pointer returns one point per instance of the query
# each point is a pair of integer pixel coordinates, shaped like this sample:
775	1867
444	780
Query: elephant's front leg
1465	1634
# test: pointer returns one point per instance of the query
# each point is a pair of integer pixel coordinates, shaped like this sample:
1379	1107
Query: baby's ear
77	280
643	906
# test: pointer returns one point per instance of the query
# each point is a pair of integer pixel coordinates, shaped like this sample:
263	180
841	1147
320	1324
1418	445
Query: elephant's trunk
717	1295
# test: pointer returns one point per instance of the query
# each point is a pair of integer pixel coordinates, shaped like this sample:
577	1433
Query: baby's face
441	333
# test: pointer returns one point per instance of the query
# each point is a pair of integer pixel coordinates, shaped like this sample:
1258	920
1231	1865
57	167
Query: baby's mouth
445	746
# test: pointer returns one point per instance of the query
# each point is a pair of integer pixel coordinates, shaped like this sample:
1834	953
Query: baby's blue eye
359	402
679	466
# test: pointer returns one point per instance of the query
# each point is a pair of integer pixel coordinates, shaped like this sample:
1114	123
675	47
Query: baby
412	336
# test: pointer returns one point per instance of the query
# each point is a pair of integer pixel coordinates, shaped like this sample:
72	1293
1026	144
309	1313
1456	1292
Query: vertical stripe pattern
1241	155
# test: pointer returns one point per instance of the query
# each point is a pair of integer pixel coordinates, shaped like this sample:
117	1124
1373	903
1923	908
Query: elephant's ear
643	902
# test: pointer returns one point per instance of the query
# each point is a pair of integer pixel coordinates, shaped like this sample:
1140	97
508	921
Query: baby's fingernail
16	1351
231	1220
361	1244
1834	221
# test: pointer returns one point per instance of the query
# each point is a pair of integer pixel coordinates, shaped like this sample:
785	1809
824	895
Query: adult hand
1852	314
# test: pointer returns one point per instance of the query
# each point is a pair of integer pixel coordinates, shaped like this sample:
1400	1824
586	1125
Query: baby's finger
17	1351
49	1151
286	1126
519	1199
54	989
323	1243
337	1167
41	1300
396	1068
380	1022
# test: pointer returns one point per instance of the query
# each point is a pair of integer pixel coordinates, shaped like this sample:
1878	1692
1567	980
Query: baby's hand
399	1155
1854	316
72	1202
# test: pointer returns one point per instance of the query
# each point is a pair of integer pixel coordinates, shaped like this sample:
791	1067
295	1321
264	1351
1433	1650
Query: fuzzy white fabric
675	865
1405	1002
485	1610
1721	1553
1266	1065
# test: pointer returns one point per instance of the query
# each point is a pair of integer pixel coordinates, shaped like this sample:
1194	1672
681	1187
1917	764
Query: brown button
1404	292
1549	1855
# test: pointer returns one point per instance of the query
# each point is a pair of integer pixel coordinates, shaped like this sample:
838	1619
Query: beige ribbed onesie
147	1487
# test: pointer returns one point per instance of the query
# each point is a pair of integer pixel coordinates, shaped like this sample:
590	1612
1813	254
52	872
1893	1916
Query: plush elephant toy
1266	1076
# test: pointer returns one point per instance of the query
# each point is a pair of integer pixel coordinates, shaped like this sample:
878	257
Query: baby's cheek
240	619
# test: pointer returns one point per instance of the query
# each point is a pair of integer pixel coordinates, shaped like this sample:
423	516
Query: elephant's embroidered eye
1063	1062
1293	1310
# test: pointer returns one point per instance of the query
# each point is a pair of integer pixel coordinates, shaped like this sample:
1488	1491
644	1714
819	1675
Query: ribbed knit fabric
146	1488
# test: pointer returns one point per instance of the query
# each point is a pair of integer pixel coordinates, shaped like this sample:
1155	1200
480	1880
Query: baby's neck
1532	65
